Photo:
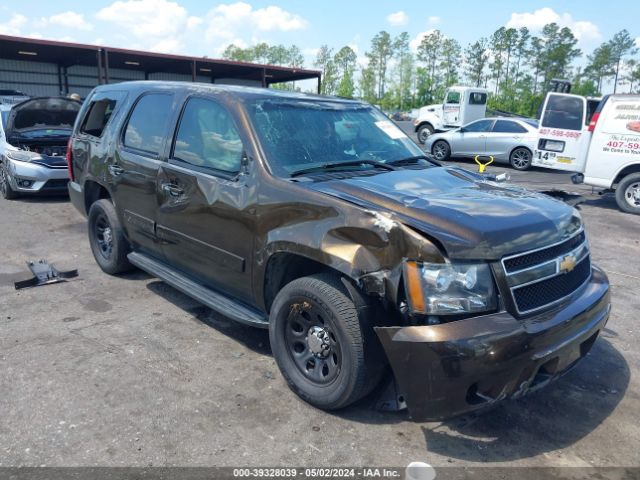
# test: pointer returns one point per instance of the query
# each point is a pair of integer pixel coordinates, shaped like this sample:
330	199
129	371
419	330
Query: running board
212	299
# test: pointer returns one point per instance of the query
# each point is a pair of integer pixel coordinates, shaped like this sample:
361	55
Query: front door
451	108
206	213
134	169
472	139
563	139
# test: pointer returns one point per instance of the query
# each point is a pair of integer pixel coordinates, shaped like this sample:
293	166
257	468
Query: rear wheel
423	132
520	158
106	237
628	194
5	187
318	342
441	150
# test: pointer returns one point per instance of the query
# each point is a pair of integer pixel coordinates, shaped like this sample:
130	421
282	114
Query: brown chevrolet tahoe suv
317	218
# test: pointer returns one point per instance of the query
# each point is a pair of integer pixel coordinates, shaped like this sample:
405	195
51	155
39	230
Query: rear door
134	167
207	207
563	139
504	136
472	138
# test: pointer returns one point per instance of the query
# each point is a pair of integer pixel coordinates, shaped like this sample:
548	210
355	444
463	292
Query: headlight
449	289
22	155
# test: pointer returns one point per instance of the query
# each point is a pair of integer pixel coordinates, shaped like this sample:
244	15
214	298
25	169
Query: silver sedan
507	140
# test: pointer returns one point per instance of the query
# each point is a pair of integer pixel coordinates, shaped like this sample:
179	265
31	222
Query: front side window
563	112
207	137
147	124
297	135
479	126
453	98
99	112
506	126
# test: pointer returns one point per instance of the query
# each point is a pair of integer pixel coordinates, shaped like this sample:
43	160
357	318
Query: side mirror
462	130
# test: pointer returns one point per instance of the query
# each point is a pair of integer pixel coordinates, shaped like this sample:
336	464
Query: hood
43	113
470	217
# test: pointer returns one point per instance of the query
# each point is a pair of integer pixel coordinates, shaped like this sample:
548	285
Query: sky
205	28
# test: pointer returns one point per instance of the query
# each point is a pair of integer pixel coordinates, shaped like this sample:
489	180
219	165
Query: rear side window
505	126
100	110
563	112
147	124
477	98
207	137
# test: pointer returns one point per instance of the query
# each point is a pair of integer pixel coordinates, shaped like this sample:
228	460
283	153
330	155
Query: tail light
70	160
594	120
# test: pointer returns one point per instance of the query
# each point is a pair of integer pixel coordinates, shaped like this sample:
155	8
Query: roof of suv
240	91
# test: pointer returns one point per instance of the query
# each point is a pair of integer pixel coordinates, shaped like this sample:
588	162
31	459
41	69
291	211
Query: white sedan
507	140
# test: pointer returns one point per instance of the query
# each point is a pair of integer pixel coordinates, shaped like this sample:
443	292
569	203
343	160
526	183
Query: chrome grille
543	277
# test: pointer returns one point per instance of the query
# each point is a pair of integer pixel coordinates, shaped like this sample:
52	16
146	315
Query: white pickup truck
461	106
604	152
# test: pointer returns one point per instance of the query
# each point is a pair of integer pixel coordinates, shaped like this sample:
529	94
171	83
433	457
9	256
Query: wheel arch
94	191
627	170
520	146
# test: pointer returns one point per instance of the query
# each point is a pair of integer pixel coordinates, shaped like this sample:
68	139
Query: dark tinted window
563	112
477	98
99	112
479	126
207	137
507	126
147	125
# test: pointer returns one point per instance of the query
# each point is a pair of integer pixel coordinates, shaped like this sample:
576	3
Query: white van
462	105
605	152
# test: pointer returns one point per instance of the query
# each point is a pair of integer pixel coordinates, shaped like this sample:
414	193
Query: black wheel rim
103	235
311	341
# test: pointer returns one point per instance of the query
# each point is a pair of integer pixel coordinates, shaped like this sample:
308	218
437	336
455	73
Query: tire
106	237
441	150
318	342
520	158
628	194
423	132
8	193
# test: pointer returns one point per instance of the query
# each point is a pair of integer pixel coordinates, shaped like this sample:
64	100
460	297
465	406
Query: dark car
317	218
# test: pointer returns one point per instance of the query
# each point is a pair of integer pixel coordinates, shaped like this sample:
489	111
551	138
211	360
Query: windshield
299	135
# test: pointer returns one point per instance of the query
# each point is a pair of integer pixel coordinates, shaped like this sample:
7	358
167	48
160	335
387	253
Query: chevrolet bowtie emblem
568	263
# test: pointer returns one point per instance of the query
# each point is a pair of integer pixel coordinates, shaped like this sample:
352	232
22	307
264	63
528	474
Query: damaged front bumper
457	367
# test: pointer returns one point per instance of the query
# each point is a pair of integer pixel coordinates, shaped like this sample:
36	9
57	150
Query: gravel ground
127	371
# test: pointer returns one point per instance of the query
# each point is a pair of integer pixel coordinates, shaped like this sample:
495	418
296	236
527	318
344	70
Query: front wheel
628	194
520	159
441	150
7	192
318	342
423	133
106	237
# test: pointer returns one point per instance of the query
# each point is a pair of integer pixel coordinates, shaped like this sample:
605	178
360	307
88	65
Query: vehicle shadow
44	198
550	419
255	339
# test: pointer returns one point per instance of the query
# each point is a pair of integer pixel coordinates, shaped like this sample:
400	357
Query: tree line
515	65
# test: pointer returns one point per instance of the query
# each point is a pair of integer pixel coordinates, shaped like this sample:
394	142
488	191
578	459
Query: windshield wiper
330	166
412	160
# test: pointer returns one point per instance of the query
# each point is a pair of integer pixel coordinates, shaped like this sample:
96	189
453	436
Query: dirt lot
128	371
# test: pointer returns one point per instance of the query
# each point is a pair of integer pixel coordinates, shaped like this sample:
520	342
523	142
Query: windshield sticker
390	129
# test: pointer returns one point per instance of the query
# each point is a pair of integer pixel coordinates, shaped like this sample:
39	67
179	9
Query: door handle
172	190
116	170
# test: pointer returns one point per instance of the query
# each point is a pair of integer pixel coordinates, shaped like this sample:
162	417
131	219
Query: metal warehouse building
47	68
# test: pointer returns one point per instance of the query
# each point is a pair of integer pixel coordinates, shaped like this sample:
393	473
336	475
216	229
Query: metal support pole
264	77
60	85
193	71
99	58
319	83
106	66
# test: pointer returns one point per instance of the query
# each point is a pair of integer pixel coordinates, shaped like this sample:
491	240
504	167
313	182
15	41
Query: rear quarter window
477	98
99	112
